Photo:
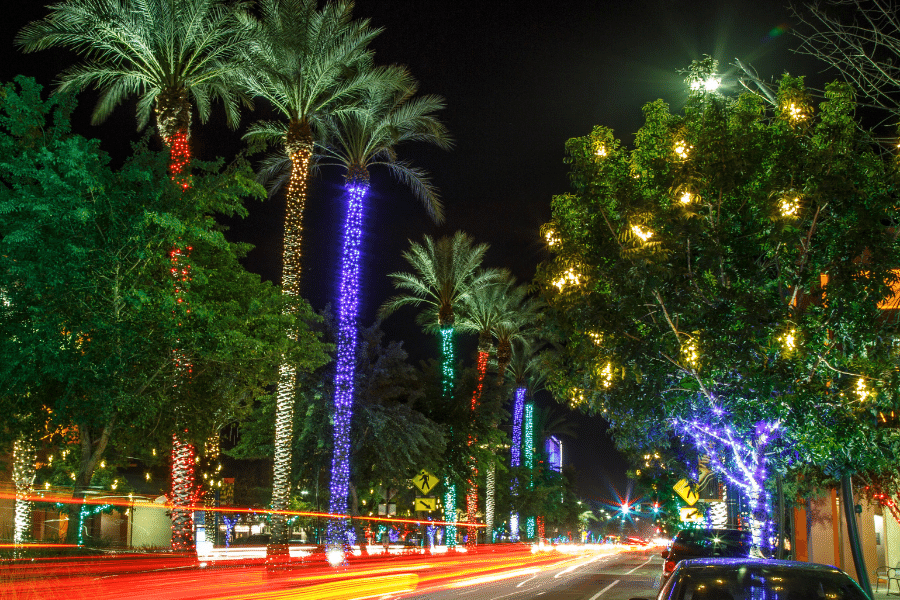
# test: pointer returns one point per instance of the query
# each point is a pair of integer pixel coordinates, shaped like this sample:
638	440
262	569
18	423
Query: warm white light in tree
569	277
644	234
682	149
602	151
597	338
551	237
686	198
795	112
861	391
790	340
690	352
606	375
790	206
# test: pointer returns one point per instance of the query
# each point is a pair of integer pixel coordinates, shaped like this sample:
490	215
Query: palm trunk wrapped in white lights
23	478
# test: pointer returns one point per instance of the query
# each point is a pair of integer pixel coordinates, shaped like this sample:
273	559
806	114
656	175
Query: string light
690	352
348	309
447	354
602	151
529	459
789	206
551	237
795	112
686	198
450	512
183	494
515	455
641	233
472	488
682	149
23	478
605	375
748	455
570	277
861	391
180	158
789	340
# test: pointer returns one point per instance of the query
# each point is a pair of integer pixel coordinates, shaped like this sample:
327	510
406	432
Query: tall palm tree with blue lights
446	272
386	117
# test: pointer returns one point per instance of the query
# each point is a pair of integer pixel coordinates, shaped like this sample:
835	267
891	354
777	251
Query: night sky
518	83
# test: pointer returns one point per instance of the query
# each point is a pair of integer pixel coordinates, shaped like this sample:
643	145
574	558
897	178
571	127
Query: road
602	577
514	572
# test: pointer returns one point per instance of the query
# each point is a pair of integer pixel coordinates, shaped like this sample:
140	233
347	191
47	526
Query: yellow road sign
690	515
425	481
426	504
687	491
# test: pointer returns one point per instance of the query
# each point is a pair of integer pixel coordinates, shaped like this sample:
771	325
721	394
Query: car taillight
669	566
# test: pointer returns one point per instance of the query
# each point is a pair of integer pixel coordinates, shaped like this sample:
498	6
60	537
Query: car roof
730	563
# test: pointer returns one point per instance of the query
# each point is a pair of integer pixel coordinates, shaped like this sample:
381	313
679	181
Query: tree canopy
735	267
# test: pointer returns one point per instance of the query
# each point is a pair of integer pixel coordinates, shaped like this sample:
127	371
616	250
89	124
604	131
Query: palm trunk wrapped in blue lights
447	389
528	444
515	456
348	309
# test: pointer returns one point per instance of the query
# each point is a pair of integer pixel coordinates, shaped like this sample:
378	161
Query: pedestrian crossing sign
425	481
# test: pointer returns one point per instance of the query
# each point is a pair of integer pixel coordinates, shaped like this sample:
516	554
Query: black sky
519	80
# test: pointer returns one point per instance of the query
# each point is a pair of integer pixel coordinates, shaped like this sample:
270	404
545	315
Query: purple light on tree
348	309
741	460
516	455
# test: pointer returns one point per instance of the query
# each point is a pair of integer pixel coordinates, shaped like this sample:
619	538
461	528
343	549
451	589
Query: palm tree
521	315
175	55
447	272
310	65
359	141
481	312
524	366
168	53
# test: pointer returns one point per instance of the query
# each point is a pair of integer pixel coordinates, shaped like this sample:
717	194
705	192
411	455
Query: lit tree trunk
472	491
489	502
447	365
173	120
23	478
299	145
529	460
348	308
515	456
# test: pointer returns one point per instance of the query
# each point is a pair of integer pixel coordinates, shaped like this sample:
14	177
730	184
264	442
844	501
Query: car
705	542
751	578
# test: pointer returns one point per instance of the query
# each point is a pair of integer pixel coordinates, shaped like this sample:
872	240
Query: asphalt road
612	577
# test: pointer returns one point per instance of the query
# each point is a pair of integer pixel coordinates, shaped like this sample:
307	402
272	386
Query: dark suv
703	543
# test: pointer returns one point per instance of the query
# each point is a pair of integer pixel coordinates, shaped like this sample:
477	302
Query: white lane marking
603	591
526	581
636	568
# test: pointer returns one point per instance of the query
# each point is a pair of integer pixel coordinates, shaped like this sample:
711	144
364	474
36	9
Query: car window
772	584
712	543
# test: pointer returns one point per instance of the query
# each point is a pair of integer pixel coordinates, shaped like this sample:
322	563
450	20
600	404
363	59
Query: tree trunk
853	533
91	451
299	145
345	372
779	489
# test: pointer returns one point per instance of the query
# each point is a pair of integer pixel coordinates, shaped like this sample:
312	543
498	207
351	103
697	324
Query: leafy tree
88	344
731	272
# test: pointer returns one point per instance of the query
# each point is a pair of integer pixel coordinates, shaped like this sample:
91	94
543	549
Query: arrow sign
425	481
426	504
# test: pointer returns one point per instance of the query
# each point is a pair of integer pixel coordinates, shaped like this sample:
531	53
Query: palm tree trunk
173	121
345	372
472	491
299	144
23	478
516	455
447	365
